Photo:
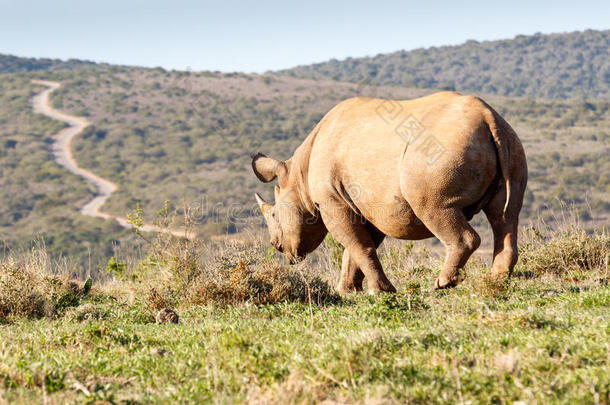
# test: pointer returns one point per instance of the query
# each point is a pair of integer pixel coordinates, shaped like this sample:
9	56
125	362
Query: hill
40	200
188	137
572	65
14	64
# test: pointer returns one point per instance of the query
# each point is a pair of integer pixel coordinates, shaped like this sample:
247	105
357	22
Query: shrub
265	282
564	251
182	271
230	275
28	288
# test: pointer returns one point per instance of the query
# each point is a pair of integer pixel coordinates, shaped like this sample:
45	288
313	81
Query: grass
436	348
542	337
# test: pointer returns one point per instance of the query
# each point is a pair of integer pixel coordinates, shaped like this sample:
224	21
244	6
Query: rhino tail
501	141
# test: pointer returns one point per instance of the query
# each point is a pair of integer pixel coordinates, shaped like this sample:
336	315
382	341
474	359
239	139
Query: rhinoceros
407	169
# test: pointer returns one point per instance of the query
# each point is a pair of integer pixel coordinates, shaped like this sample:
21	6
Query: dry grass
181	273
565	252
231	275
264	282
30	286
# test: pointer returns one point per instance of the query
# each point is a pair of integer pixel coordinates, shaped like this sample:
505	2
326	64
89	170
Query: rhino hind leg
355	236
351	275
460	239
505	232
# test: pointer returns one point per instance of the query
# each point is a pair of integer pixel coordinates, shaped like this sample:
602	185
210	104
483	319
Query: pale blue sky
254	36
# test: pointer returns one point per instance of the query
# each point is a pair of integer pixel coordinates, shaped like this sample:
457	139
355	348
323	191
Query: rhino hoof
389	288
443	282
344	291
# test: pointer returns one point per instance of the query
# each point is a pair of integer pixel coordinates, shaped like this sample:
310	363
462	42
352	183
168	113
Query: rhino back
366	150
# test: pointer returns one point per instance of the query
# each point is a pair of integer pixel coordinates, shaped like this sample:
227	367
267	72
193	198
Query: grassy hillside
40	200
573	65
188	137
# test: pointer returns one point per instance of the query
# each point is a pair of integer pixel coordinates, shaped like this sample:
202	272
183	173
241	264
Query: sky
256	36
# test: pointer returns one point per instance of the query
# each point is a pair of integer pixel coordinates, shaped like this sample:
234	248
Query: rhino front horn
262	204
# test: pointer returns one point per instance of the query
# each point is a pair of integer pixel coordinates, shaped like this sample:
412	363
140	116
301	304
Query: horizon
188	68
255	38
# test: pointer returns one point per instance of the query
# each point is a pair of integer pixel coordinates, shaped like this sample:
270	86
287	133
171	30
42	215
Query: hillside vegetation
39	200
573	65
188	137
16	64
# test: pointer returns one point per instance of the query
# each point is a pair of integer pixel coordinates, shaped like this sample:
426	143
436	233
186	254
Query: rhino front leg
353	234
351	275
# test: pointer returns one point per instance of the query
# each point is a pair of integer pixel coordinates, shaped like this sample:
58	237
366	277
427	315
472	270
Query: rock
167	315
158	351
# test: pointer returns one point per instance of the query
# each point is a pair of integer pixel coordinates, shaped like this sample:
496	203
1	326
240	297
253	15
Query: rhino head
294	230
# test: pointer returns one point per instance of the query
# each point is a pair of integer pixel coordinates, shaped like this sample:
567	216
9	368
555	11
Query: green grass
540	338
422	348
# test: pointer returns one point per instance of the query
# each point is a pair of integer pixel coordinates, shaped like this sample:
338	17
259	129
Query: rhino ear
267	169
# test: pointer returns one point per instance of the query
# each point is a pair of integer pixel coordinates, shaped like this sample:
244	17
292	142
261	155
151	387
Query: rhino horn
262	204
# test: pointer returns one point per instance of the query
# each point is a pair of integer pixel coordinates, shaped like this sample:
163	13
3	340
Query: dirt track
63	155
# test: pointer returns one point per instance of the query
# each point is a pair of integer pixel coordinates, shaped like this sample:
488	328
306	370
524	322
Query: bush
233	275
564	252
263	283
28	288
183	272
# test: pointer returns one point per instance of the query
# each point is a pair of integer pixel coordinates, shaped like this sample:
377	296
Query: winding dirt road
62	153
